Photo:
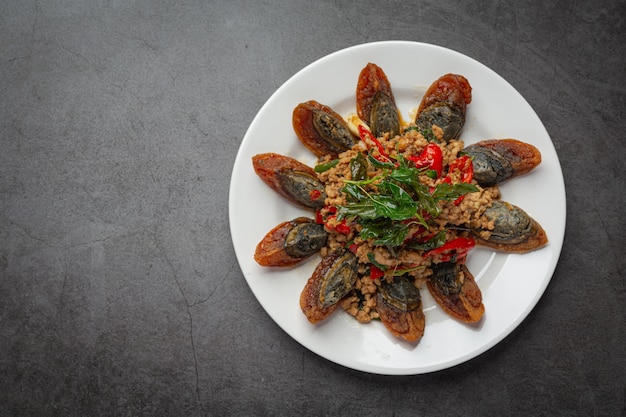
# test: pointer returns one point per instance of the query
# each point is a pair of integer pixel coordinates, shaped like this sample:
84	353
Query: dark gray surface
120	293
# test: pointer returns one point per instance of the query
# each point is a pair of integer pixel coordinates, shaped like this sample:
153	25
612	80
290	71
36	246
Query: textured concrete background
120	293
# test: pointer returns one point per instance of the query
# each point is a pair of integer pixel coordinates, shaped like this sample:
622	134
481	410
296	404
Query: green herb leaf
358	167
400	272
404	175
394	208
364	210
426	201
429	135
354	191
431	173
379	164
384	231
372	259
432	243
445	191
325	166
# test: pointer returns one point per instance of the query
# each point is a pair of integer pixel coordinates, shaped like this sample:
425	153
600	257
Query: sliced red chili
458	200
343	228
456	248
319	219
430	157
353	248
465	165
367	135
376	272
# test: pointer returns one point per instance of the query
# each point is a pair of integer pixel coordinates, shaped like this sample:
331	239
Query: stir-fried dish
395	207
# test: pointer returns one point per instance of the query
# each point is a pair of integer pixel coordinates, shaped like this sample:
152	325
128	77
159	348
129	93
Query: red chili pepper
315	194
366	134
376	272
465	165
453	249
319	219
353	248
343	228
458	200
328	219
431	157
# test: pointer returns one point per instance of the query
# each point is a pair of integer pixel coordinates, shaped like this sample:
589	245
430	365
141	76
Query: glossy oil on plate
511	284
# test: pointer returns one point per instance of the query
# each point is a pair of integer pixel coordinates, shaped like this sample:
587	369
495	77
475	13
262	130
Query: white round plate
511	283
